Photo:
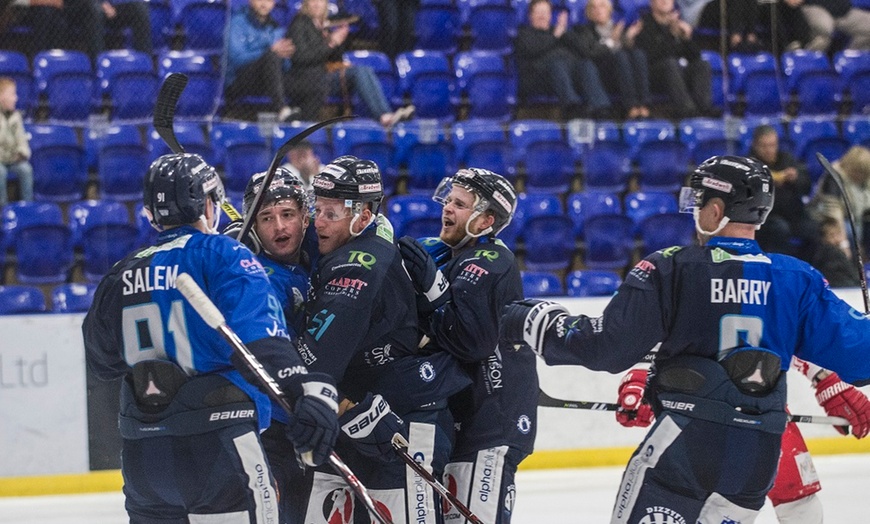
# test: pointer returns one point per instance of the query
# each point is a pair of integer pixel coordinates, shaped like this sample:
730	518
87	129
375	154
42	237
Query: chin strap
722	223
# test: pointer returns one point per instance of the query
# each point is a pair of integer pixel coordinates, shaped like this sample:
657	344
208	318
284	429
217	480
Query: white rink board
43	395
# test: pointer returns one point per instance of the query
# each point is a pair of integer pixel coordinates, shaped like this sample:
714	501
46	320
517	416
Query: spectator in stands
14	149
91	17
397	25
611	46
319	44
793	31
545	60
303	162
789	220
258	56
666	39
44	17
855	167
827	16
833	256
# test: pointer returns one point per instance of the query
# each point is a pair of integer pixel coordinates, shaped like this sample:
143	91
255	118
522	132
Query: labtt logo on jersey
472	273
252	266
642	270
349	287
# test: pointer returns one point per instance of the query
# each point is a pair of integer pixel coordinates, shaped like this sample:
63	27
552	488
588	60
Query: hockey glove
370	426
634	410
252	241
313	425
842	400
527	322
437	249
431	286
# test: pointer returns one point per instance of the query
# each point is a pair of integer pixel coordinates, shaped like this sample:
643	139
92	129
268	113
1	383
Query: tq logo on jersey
485	253
366	260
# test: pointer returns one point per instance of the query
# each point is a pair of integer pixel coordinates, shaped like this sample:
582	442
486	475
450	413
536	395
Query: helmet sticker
323	183
369	188
718	185
332	169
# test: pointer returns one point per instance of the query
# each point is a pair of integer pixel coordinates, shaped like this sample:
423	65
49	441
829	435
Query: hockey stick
401	447
214	318
838	179
164	120
270	173
547	401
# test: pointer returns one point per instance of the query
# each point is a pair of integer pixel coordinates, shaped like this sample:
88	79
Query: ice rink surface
544	497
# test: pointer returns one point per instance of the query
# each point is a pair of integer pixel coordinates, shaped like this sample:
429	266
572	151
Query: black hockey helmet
492	190
350	178
744	184
177	188
284	186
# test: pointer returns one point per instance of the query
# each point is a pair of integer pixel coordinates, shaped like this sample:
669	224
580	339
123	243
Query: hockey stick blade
838	179
401	446
547	401
273	166
164	109
212	316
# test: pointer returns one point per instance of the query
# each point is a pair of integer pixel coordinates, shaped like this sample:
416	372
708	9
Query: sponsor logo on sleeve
472	273
642	270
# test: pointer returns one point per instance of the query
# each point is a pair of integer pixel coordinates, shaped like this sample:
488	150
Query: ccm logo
369	418
227	415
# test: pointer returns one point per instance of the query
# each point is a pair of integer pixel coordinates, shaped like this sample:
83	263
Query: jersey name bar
149	278
738	291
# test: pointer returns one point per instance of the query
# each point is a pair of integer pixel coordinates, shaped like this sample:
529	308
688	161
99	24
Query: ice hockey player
496	416
191	410
729	318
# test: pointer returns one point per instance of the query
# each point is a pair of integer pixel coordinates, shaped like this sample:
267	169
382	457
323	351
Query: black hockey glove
370	426
313	425
431	286
252	242
526	322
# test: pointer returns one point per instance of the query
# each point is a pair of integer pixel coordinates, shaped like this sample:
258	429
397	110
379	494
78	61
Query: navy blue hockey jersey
708	300
500	407
138	314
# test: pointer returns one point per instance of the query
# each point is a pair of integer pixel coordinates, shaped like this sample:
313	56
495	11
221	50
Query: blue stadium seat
593	283
320	140
607	166
816	134
383	67
706	137
753	79
147	233
484	81
638	132
810	78
87	213
414	215
663	165
122	162
666	230
583	135
21	300
854	69
491	24
367	139
608	242
586	204
549	166
576	11
369	24
245	152
20	214
521	133
481	143
15	66
549	242
201	97
59	169
529	205
423	148
160	13
541	284
428	80
191	137
856	130
202	22
104	245
72	298
66	80
717	86
44	254
640	205
128	81
437	27
631	10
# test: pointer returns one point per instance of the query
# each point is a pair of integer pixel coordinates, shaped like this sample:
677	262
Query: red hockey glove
842	400
633	410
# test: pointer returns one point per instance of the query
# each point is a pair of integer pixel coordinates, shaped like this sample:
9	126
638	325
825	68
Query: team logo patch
427	371
663	515
524	424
